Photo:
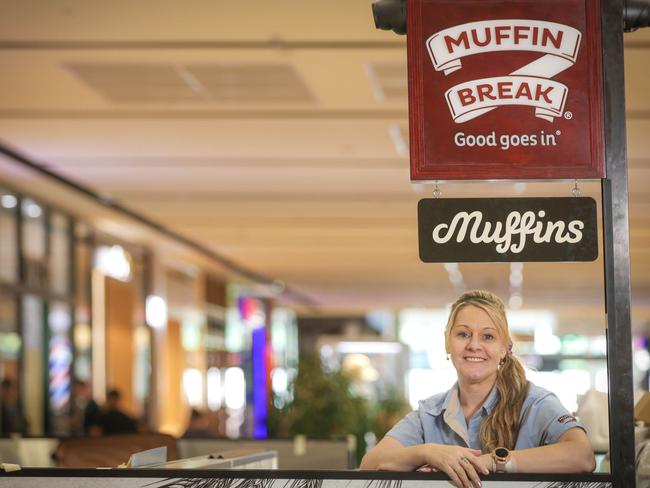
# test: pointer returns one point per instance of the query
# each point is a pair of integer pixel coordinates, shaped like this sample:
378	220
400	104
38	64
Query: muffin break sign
496	94
530	85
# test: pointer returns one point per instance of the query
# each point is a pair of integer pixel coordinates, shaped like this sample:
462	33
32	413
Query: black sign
457	230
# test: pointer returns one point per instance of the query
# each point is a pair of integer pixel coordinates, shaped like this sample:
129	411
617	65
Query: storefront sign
505	89
453	230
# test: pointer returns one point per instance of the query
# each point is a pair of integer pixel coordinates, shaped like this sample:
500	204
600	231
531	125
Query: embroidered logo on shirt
566	418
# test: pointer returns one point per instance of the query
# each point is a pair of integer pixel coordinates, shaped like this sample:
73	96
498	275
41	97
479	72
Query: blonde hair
501	427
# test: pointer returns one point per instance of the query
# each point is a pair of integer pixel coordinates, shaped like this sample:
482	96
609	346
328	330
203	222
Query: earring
448	356
503	361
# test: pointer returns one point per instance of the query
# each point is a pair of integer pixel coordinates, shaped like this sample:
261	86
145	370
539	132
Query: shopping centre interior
206	205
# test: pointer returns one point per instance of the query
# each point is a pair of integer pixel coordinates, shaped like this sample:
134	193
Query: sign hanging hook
576	189
437	192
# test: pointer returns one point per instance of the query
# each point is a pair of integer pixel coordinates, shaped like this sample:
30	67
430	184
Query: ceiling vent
251	83
389	81
163	83
137	83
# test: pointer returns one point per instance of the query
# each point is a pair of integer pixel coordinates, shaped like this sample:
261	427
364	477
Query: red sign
504	89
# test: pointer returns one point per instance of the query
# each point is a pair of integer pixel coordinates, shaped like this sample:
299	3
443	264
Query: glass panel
59	366
143	364
8	237
33	244
13	421
141	386
59	254
10	342
82	332
33	368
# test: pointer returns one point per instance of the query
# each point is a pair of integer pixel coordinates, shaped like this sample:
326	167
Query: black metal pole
616	245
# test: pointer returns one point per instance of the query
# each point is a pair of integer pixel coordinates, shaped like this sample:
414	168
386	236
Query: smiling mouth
474	359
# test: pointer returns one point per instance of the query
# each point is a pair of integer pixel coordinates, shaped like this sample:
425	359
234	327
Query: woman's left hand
486	461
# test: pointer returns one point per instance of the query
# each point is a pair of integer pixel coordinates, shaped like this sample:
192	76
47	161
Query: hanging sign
505	89
455	230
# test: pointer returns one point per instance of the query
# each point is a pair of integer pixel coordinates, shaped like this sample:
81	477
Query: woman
492	419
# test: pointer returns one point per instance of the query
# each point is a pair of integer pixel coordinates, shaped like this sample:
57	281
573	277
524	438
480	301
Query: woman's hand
461	464
487	463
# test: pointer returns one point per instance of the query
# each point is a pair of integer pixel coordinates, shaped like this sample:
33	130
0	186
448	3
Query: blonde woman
492	419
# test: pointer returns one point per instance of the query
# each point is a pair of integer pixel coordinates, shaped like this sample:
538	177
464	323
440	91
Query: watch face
501	452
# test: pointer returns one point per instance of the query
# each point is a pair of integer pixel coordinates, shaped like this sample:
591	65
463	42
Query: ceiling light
519	187
451	267
156	312
9	201
214	389
234	385
515	302
516	282
516	279
418	187
401	146
113	261
455	276
31	209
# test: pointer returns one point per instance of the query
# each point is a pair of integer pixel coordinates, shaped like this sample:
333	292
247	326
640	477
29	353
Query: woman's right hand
461	464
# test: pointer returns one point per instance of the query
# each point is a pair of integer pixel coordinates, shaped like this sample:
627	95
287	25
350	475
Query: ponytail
501	427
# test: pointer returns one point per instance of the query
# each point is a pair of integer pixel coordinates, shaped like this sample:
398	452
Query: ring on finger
463	460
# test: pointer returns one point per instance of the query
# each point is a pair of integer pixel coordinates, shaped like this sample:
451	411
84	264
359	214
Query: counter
169	478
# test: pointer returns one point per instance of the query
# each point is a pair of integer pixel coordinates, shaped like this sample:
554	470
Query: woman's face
475	345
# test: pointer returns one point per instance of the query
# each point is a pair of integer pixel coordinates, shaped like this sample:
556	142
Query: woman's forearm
394	458
571	456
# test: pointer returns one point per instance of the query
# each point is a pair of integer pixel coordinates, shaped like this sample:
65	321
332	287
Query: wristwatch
500	456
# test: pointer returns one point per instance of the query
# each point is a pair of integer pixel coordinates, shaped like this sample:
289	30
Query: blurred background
206	211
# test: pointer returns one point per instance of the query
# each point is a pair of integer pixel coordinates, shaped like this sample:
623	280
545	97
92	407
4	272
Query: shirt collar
435	408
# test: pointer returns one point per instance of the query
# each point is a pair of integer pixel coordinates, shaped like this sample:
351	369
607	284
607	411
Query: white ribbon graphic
466	99
559	42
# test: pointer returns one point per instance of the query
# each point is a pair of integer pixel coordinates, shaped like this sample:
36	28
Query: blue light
260	430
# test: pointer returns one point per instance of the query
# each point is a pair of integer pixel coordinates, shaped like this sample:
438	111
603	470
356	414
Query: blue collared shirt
440	420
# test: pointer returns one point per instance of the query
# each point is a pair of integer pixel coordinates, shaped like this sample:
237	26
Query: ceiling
274	134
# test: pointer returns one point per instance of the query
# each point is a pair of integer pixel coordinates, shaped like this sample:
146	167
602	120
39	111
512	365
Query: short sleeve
408	431
547	419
